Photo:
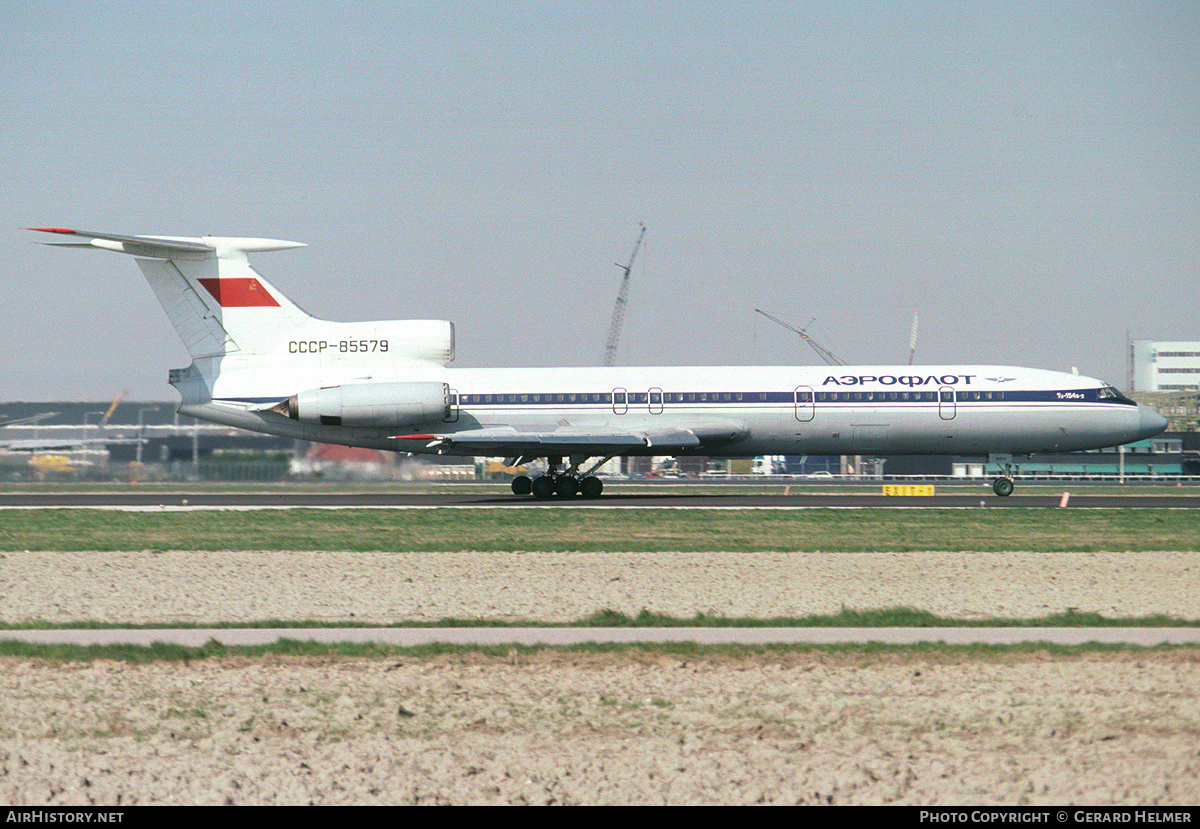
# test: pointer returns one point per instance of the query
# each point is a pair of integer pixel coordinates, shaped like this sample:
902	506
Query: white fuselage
259	362
775	409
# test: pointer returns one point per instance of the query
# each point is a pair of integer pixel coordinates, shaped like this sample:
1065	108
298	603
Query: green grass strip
159	652
638	530
891	617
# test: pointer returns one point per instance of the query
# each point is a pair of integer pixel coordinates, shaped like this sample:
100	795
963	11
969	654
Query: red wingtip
51	229
413	437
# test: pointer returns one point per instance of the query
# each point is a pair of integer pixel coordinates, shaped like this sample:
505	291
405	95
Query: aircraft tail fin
249	343
218	304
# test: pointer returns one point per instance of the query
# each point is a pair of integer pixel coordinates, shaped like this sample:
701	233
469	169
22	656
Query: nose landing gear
1002	486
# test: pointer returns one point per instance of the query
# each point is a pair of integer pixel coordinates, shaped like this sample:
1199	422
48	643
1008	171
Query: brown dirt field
796	726
642	728
148	586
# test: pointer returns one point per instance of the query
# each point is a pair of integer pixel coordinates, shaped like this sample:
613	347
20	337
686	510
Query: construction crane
912	340
113	407
825	354
614	330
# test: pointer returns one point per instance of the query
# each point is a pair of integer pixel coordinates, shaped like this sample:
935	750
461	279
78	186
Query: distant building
1164	366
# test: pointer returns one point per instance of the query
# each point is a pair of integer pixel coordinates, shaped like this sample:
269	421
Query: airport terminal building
1158	366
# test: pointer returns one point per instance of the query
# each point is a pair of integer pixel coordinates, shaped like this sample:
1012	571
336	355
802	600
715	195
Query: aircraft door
655	400
805	403
946	403
620	401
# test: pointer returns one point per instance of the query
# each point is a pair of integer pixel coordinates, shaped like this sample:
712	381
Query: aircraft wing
46	444
507	440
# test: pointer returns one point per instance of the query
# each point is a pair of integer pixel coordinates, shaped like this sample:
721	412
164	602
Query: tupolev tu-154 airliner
261	363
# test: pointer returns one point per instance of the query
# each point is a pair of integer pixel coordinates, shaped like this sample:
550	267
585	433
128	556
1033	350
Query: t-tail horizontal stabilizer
167	247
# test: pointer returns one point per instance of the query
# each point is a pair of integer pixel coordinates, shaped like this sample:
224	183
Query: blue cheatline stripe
757	398
778	397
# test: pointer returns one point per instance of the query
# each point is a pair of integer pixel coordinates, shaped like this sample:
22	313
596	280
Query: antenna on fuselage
825	354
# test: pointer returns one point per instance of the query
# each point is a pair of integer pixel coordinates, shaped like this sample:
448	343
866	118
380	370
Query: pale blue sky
1025	175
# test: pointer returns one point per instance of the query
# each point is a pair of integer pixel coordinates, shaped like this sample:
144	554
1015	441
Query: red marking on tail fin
241	292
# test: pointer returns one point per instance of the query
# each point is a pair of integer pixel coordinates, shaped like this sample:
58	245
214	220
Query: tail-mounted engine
370	405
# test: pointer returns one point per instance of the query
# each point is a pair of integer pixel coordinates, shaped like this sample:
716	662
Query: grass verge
514	654
642	530
891	617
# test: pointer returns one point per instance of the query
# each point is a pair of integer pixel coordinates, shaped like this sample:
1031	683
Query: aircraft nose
1150	422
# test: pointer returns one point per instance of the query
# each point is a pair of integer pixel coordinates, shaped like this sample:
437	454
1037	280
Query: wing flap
511	441
573	441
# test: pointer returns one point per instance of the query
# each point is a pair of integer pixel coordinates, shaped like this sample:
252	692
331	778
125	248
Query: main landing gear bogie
544	487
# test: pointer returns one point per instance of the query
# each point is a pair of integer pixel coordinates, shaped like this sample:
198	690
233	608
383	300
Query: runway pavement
1187	498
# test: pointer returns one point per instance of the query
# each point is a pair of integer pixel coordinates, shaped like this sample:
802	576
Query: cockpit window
1111	394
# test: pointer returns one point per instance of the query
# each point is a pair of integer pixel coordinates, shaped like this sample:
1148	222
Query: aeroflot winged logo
240	292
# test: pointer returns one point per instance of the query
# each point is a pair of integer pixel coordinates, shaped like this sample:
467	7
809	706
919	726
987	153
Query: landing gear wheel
565	486
543	487
1002	487
522	485
591	487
